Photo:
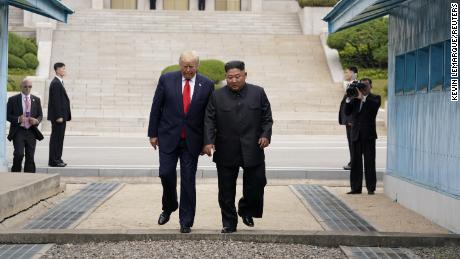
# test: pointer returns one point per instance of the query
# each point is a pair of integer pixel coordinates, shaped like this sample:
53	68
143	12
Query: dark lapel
178	90
19	103
196	90
33	105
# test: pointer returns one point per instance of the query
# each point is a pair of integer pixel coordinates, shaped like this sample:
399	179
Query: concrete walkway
137	206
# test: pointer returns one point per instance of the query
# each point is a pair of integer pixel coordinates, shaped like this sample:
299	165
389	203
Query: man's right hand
21	119
208	149
154	142
60	120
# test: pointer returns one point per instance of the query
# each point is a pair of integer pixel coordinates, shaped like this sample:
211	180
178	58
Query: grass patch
15	77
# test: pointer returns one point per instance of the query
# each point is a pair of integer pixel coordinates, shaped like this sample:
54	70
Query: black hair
234	64
354	69
58	65
367	79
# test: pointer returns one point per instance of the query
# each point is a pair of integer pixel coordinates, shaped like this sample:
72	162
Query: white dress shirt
23	98
192	85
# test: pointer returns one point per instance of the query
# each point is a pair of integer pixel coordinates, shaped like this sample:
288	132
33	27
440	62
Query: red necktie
186	102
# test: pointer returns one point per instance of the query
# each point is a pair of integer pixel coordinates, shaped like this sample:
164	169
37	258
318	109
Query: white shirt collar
191	80
23	95
60	79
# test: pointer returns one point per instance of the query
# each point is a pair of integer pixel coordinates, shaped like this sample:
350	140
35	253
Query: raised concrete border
20	191
333	60
317	238
441	209
313	174
311	20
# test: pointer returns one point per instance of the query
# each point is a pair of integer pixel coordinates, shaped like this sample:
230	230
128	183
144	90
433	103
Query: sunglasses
27	86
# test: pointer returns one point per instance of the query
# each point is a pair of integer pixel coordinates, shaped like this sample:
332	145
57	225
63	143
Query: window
447	64
399	74
436	67
411	72
423	72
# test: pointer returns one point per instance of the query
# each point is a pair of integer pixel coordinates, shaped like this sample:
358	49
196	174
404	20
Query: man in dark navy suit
176	127
24	112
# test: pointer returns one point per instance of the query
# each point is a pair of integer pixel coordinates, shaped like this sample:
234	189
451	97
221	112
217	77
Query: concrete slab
325	238
19	191
138	206
386	215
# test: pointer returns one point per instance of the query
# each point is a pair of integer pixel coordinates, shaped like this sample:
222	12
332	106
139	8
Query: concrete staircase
114	59
16	23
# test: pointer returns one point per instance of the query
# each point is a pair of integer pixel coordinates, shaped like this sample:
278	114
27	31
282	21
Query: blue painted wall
424	127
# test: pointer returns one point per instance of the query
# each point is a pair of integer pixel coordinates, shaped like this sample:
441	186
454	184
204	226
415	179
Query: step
19	191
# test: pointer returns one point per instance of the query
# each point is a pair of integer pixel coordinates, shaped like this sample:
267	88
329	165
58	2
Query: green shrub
364	45
373	73
16	45
211	68
320	3
16	62
170	69
30	60
31	46
14	82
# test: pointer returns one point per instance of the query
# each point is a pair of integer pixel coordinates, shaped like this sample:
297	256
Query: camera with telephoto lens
353	88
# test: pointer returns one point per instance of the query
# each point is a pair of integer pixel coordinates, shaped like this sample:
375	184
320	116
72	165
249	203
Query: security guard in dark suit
238	126
363	109
24	112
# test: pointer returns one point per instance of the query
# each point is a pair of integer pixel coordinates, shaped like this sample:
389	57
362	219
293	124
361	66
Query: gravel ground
191	249
437	252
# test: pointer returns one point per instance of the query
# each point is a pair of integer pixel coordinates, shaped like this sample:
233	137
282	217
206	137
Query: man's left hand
33	121
263	142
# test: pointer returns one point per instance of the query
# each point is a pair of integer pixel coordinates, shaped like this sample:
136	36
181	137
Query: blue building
423	159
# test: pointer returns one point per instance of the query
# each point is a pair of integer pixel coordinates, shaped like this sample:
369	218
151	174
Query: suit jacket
14	110
343	118
234	122
58	102
363	122
167	117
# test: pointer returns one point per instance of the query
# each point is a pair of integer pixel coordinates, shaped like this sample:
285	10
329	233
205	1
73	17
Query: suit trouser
24	140
362	148
252	202
348	128
56	142
168	175
201	5
153	4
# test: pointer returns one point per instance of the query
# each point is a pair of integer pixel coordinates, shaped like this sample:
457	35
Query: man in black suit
176	126
351	74
238	126
153	4
363	108
24	112
58	114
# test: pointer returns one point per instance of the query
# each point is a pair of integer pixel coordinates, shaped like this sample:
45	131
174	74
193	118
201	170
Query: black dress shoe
347	167
58	165
227	230
371	192
353	192
164	218
248	221
184	229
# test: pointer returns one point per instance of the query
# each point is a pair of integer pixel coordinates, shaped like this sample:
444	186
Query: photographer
363	107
